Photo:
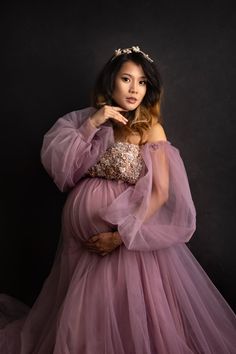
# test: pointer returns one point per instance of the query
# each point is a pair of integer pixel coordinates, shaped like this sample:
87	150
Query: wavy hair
148	112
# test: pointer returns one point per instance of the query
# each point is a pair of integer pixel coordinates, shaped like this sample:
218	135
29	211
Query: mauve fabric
149	296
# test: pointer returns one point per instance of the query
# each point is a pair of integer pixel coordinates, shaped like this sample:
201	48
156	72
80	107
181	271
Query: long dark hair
148	113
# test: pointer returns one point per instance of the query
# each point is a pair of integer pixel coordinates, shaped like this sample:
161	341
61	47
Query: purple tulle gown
150	295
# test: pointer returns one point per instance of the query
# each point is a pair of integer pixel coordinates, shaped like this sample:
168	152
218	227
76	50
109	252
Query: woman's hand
108	112
103	243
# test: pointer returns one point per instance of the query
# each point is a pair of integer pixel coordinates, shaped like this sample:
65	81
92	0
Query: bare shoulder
156	133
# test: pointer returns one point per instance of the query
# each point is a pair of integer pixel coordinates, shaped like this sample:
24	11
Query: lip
131	100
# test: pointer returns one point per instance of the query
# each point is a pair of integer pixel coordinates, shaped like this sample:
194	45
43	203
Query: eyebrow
141	77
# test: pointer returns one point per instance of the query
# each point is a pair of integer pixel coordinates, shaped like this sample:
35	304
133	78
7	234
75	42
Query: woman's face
130	86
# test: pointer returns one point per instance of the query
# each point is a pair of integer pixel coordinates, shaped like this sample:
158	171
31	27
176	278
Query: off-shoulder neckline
149	143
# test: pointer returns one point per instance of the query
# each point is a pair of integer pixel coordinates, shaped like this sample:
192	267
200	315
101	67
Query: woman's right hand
103	243
108	112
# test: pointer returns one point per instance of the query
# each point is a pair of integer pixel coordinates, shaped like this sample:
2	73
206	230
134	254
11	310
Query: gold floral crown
134	49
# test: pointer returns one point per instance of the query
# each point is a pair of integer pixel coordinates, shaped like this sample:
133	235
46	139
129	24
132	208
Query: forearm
157	200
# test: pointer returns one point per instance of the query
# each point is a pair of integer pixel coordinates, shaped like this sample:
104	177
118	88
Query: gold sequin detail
122	161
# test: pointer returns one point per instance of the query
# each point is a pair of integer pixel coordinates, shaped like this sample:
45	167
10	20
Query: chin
129	107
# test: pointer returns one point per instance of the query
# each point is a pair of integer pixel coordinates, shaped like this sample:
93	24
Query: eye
143	82
125	79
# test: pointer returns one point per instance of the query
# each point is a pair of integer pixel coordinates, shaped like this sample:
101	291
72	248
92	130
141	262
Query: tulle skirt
128	302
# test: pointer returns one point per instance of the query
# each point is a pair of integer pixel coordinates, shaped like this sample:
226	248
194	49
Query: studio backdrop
51	54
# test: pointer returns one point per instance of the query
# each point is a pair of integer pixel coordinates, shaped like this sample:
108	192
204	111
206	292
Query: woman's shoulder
156	133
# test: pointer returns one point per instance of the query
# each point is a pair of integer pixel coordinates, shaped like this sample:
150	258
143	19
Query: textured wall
51	54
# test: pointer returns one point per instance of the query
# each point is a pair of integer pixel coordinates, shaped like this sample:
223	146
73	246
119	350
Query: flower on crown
134	49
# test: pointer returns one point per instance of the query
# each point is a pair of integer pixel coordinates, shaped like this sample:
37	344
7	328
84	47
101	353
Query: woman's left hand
103	243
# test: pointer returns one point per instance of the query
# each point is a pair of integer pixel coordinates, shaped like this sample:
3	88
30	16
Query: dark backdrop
51	54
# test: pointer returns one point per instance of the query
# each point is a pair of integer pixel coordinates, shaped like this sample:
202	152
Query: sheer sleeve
158	211
72	146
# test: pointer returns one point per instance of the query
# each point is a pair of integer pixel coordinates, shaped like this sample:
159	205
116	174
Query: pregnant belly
81	210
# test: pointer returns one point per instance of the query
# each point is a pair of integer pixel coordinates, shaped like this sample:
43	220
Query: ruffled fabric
150	295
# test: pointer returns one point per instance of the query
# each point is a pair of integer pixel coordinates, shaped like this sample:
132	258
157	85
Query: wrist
117	239
93	123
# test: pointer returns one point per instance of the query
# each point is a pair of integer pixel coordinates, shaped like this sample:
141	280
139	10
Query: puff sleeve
158	211
72	146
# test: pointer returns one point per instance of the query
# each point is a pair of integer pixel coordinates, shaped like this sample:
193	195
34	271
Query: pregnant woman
123	280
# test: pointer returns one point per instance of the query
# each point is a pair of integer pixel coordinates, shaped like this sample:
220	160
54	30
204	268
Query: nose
133	87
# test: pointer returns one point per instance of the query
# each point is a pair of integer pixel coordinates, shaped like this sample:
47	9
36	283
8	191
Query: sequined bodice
121	161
